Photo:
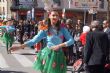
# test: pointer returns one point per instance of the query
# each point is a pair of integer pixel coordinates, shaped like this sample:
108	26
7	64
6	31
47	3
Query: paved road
20	61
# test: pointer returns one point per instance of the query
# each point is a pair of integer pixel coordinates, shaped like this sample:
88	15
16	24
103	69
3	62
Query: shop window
57	2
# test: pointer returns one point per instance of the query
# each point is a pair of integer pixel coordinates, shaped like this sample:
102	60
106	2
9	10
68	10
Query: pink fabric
107	66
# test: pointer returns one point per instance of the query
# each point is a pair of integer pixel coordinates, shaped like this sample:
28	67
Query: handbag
107	65
78	65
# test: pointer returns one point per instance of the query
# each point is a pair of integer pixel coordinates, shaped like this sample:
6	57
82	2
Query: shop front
72	14
22	14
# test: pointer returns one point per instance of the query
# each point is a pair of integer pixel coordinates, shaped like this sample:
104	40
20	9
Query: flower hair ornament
43	25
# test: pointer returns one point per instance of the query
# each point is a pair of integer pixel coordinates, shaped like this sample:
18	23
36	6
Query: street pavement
20	61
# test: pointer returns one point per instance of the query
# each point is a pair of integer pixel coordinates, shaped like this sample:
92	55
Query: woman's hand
14	48
55	48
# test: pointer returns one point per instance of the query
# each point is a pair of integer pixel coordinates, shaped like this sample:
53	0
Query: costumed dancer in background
8	36
50	59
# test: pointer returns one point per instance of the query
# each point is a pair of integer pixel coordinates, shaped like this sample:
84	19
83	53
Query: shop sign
84	3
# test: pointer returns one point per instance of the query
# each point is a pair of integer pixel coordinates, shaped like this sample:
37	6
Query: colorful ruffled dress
49	61
8	36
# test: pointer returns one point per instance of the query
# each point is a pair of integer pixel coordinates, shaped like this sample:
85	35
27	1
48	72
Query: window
3	10
101	4
0	11
57	2
35	3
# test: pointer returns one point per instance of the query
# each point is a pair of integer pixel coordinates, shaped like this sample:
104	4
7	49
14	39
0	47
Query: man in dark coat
96	49
106	27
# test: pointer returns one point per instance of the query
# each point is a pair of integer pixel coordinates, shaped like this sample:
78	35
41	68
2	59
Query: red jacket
83	38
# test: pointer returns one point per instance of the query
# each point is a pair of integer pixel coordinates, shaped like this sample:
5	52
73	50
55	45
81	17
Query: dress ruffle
49	61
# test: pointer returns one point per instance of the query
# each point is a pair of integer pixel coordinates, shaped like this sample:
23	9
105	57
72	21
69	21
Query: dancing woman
50	59
8	36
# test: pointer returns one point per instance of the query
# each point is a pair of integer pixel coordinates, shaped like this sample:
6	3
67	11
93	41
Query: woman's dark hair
69	22
49	24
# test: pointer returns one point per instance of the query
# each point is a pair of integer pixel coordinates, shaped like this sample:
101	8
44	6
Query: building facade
5	11
74	9
85	10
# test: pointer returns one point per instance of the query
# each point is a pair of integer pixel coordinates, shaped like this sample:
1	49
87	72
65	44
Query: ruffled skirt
8	38
49	61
